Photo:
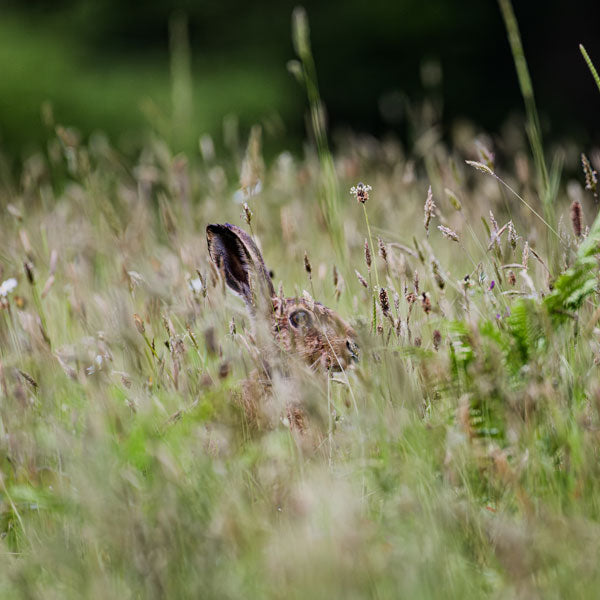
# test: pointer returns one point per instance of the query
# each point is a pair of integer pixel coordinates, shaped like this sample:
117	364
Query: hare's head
314	332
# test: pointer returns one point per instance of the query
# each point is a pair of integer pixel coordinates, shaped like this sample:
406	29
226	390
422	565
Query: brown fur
300	326
326	342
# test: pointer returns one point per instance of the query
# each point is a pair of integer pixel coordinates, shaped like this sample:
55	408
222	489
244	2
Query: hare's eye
300	318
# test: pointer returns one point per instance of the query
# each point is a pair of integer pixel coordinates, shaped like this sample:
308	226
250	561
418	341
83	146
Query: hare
300	326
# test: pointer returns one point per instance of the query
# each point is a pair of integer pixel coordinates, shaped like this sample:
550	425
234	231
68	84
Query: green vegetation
128	97
458	459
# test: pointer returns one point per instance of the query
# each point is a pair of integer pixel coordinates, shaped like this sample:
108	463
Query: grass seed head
486	156
307	265
247	215
437	339
27	248
576	218
453	198
512	235
368	258
437	275
428	209
202	282
449	233
361	279
29	272
480	167
591	176
382	250
139	324
493	222
384	301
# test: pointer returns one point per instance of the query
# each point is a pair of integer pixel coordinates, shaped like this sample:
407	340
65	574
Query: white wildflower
8	286
361	192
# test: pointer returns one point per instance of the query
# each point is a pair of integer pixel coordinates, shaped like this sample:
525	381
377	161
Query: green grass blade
329	194
534	131
590	65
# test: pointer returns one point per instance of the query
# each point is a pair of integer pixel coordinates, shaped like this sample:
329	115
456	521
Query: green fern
579	281
525	328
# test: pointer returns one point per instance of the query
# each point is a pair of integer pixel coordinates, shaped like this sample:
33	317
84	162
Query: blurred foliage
98	61
457	459
146	448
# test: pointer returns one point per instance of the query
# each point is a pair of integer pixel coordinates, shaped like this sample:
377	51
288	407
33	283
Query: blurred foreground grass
458	460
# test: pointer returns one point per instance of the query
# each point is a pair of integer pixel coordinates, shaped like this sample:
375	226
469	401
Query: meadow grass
458	459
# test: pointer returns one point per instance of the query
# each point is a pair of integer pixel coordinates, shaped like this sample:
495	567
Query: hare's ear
236	255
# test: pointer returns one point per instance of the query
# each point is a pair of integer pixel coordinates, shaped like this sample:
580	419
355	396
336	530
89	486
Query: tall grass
459	459
534	130
328	195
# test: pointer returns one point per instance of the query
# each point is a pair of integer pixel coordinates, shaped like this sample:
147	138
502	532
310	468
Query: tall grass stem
329	195
534	130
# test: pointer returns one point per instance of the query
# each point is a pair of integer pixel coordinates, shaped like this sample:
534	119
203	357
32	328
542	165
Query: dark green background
104	64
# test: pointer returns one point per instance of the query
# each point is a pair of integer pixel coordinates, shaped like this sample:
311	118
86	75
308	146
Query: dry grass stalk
480	167
404	249
525	259
361	279
368	258
591	176
493	222
382	250
428	209
247	214
449	233
437	275
512	235
384	301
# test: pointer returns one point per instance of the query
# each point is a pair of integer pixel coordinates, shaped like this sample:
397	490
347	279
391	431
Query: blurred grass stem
329	196
534	131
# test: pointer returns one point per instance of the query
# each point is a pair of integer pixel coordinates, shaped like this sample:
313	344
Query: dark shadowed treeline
107	64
